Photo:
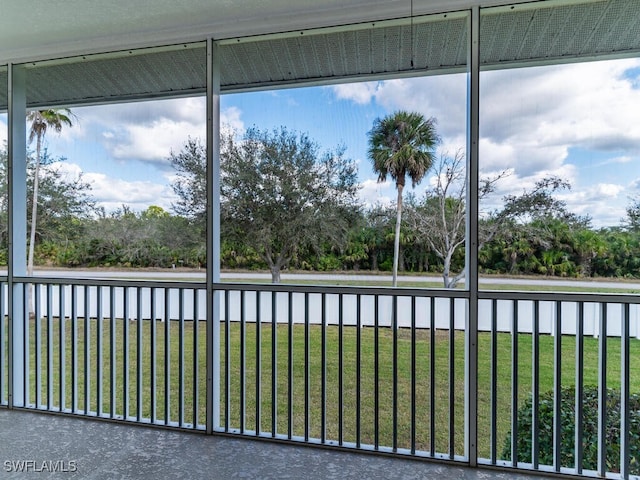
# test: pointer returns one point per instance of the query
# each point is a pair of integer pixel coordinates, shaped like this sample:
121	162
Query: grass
135	396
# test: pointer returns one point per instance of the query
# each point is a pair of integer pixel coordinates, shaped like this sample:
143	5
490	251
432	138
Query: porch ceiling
311	50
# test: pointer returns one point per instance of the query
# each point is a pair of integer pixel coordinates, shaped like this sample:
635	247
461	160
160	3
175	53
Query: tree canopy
281	194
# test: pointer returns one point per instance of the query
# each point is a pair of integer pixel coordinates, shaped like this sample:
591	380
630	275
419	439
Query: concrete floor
83	448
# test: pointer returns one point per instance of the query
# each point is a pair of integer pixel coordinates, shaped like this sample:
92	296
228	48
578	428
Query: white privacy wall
446	309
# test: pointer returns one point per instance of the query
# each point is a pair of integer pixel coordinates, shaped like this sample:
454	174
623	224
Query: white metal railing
336	366
118	350
374	369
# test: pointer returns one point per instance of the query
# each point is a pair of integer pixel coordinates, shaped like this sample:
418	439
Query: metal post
17	222
213	235
471	337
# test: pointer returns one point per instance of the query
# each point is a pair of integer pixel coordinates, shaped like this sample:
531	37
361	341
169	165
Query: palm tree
41	121
402	144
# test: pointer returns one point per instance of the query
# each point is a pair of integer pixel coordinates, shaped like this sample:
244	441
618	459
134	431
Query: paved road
200	275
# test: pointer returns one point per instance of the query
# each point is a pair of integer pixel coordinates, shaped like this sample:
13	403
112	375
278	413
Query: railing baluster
3	363
514	383
50	399
452	377
602	392
340	369
579	391
227	362
535	383
258	365
625	370
181	357
274	364
139	355
358	368
167	356
494	380
196	351
38	343
153	356
394	370
432	377
557	387
112	352
125	352
87	352
323	366
243	357
99	353
414	379
376	374
63	349
74	348
26	383
290	368
307	366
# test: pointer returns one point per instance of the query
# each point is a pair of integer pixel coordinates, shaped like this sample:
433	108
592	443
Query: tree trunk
34	217
34	208
396	243
374	260
275	274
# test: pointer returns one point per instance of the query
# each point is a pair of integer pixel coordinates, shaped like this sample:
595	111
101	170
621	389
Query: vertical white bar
213	235
17	222
471	337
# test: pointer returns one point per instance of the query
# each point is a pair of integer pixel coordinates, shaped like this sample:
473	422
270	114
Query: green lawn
191	408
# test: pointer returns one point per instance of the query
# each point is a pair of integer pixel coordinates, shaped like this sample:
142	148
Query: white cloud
586	104
608	190
536	122
154	142
373	193
516	184
147	131
360	93
603	202
112	193
232	118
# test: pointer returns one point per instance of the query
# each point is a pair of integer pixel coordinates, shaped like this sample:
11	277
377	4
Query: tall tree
41	121
280	193
190	185
402	144
64	203
438	219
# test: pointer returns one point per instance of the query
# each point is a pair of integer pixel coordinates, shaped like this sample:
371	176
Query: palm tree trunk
34	209
34	216
396	243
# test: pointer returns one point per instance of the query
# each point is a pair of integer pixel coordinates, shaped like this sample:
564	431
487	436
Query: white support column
17	222
213	235
471	337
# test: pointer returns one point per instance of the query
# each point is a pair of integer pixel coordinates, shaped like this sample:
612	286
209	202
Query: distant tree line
285	204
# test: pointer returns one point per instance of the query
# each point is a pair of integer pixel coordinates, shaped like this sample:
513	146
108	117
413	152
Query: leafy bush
590	430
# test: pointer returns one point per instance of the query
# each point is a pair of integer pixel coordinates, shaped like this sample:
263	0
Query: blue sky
576	121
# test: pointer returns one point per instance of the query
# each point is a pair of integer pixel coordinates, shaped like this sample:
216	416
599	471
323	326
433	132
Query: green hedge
590	430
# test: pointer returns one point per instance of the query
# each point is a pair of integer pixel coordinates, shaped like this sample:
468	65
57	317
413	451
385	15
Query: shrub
590	430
